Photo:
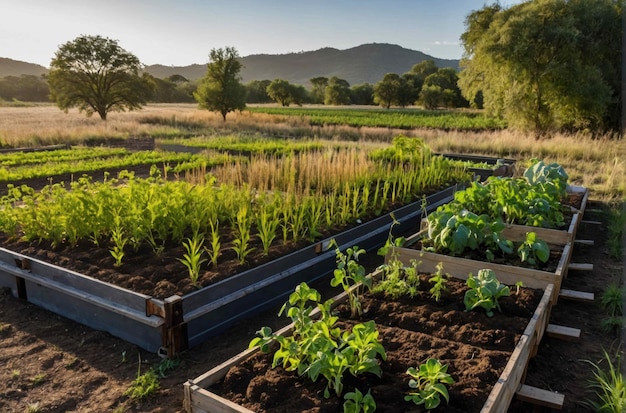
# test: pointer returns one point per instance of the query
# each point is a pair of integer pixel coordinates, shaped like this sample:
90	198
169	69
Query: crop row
250	144
400	118
156	211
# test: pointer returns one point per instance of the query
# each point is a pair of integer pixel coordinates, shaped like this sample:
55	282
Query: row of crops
274	199
390	118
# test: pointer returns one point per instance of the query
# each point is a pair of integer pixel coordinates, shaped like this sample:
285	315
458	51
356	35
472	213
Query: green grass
609	387
390	118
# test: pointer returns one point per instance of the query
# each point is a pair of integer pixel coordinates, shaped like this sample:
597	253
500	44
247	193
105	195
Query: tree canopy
544	65
286	93
95	75
221	90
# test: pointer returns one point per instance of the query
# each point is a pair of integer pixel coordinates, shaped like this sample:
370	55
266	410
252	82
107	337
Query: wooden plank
540	397
584	242
503	391
576	295
580	266
591	222
563	333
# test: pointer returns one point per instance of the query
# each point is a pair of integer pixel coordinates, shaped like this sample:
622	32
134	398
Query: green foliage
356	402
429	383
439	281
96	75
390	118
350	275
612	303
609	386
533	250
145	385
616	226
221	90
484	291
192	259
285	93
541	65
318	348
549	176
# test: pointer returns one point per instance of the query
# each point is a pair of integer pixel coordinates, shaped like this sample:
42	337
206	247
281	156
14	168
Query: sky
183	32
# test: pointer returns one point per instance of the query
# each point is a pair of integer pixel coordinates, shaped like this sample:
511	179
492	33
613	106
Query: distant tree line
423	84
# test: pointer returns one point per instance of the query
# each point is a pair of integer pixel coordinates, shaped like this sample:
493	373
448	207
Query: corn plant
484	291
192	259
119	239
216	245
429	383
267	225
243	226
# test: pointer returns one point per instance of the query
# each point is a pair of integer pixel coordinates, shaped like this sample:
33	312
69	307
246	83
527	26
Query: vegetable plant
438	281
357	402
484	291
429	383
533	250
192	259
350	275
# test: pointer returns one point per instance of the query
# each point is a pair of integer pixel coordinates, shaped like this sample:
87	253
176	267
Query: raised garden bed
175	323
487	358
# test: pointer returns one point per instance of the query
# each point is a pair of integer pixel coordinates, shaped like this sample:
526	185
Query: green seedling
485	290
192	259
533	250
349	273
357	402
429	383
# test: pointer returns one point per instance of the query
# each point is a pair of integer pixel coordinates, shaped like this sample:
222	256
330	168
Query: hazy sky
183	32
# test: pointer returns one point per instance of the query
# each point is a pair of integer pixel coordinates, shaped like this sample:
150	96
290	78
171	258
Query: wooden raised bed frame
198	399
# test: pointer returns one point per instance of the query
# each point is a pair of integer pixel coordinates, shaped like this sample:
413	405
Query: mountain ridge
366	63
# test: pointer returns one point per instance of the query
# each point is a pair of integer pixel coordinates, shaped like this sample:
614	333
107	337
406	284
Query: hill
10	67
367	63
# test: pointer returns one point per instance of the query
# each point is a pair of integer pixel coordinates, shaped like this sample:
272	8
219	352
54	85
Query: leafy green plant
551	176
429	383
484	291
609	386
438	281
612	302
349	273
357	402
120	239
397	279
144	385
192	259
317	348
533	250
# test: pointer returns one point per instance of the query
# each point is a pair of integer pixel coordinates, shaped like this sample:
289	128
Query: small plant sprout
349	273
533	250
438	281
429	383
485	290
144	385
611	302
518	285
192	259
357	402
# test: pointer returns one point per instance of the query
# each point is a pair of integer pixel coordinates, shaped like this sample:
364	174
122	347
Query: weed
15	374
617	220
38	379
33	407
609	387
143	386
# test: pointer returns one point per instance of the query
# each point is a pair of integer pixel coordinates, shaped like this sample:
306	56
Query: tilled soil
61	366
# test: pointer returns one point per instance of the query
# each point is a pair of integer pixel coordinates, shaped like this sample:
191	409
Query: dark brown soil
475	347
66	367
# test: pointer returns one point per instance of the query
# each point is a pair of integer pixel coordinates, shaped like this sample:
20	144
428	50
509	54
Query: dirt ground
51	364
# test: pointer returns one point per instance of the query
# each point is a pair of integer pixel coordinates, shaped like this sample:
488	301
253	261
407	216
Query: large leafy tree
221	89
95	75
530	64
387	90
337	92
286	93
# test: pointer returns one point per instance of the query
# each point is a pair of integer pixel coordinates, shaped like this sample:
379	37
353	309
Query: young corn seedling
192	259
243	226
439	281
120	239
216	245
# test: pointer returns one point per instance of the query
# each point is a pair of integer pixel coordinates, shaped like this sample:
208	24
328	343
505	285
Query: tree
256	91
337	92
531	63
221	90
285	93
446	80
362	94
318	89
96	75
386	91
